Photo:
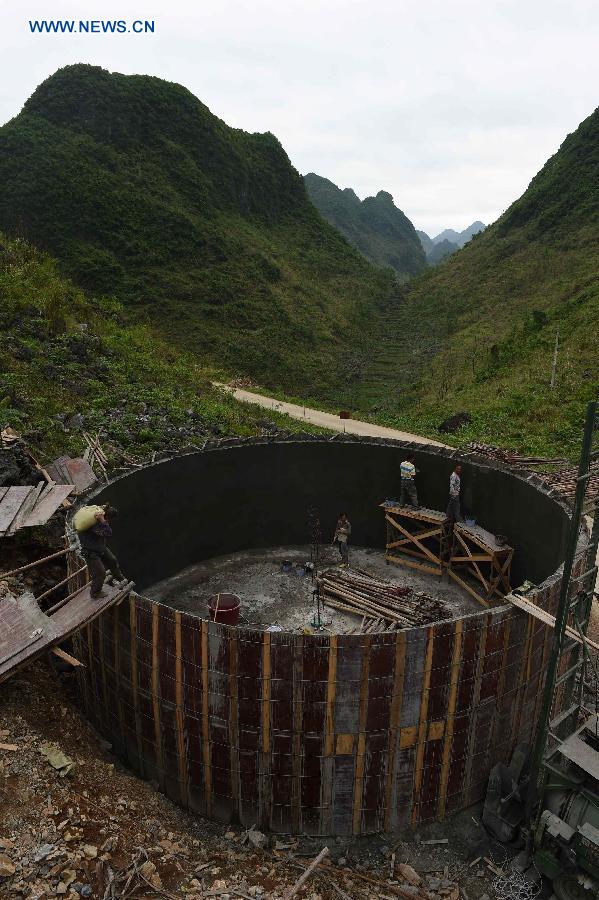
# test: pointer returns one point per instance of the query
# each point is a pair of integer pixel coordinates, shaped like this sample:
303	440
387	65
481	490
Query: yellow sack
85	517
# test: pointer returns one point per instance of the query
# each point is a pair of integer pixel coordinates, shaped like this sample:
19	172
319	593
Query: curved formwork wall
334	734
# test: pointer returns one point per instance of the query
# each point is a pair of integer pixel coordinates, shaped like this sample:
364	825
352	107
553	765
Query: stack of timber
565	482
383	606
512	459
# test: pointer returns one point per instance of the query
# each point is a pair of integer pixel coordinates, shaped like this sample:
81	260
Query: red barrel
224	608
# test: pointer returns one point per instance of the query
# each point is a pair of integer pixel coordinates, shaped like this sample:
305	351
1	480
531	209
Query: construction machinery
547	799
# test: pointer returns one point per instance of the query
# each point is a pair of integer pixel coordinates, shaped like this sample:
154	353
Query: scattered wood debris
563	480
304	877
78	472
513	459
94	454
26	506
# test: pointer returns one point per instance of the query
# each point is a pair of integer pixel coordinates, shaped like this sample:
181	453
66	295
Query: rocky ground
80	825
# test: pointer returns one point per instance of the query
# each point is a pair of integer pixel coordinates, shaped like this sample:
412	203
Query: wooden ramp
26	632
532	609
26	506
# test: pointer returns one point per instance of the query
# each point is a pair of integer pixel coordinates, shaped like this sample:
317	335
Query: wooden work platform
427	540
26	632
26	506
416	537
480	563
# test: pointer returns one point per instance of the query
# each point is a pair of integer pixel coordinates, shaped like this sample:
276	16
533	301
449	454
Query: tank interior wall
342	734
197	506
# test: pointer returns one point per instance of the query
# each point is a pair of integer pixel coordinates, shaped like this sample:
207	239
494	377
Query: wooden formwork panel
344	734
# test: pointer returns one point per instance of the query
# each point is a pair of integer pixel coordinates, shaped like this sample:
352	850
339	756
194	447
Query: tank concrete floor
270	596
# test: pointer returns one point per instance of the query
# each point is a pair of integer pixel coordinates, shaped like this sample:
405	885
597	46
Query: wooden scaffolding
426	539
417	537
480	563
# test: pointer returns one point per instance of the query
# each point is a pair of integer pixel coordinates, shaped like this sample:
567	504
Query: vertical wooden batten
265	790
134	681
361	748
234	720
155	687
456	659
522	681
206	720
422	726
478	678
180	715
296	746
394	725
326	812
116	647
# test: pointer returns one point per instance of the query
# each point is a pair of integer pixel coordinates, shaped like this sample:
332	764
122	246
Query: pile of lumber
382	605
512	459
565	482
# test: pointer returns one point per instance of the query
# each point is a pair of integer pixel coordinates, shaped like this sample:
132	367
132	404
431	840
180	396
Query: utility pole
554	366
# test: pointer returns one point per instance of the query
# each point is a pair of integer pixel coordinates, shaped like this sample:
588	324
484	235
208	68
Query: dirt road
326	420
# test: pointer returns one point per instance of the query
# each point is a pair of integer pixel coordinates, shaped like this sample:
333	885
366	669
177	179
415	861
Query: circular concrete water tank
321	734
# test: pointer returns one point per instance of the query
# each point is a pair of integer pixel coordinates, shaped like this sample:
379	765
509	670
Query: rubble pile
74	823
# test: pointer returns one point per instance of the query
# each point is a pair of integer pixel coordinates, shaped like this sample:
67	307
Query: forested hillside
374	226
478	333
140	192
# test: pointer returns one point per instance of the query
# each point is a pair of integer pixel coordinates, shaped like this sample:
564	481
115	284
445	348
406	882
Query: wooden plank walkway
26	506
26	632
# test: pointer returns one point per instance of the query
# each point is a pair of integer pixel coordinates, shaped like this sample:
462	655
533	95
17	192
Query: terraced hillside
478	333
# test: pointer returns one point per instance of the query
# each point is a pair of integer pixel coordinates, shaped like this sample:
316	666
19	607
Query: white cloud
452	108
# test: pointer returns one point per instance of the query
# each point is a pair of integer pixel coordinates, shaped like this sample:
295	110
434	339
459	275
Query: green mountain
460	237
70	362
439	251
447	242
478	332
374	226
426	241
200	229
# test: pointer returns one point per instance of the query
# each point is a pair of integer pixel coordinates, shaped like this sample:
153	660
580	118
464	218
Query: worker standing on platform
455	486
342	533
408	495
96	553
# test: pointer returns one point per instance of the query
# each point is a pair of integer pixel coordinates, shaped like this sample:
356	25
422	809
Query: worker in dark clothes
97	555
342	533
455	486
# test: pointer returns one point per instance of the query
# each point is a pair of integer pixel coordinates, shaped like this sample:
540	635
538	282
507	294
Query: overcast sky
452	107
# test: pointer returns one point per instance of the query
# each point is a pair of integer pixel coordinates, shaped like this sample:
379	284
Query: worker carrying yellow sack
93	527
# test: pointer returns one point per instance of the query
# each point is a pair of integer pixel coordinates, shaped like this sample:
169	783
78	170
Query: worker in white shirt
455	485
408	495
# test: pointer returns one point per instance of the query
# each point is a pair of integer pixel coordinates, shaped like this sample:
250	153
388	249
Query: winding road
324	419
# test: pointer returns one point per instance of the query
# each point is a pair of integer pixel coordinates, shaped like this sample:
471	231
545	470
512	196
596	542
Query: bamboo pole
60	583
38	562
